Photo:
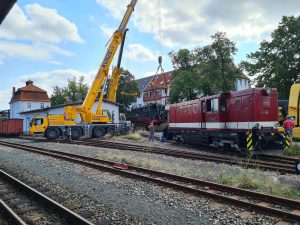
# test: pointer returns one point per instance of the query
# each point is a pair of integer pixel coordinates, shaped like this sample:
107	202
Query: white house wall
241	84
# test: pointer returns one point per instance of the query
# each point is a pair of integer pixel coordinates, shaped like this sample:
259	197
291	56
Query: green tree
185	77
204	70
277	62
219	59
58	96
75	91
128	86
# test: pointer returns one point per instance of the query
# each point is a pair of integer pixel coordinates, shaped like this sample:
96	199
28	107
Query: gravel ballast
121	200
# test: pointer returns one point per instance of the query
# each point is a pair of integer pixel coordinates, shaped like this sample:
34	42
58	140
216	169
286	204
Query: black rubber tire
98	132
76	133
52	133
110	129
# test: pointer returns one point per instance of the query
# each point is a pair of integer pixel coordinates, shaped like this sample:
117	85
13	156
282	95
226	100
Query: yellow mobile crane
94	124
294	108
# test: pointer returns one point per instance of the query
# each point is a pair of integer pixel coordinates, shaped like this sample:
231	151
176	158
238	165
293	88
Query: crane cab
38	125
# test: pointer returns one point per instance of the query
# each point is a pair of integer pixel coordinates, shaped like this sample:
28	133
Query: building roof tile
30	92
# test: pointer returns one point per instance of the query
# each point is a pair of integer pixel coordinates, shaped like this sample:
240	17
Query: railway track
286	209
280	164
24	205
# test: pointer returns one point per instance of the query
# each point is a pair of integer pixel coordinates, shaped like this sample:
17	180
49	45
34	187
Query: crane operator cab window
36	121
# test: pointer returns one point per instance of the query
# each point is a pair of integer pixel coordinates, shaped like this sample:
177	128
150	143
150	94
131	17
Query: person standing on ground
151	131
288	126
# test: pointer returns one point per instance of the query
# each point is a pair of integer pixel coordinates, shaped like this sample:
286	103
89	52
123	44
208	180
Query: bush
132	137
293	150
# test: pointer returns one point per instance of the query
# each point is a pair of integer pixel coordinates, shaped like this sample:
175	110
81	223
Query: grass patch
285	191
293	150
254	181
132	137
248	182
247	179
224	178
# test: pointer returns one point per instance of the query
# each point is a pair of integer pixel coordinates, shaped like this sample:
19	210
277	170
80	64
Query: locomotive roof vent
266	91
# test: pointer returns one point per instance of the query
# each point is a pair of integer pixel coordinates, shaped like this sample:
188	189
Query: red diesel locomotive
242	120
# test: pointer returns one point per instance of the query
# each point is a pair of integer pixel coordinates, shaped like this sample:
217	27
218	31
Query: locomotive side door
203	114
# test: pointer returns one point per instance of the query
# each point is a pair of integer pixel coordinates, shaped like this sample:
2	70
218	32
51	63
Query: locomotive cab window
223	104
215	105
212	105
208	106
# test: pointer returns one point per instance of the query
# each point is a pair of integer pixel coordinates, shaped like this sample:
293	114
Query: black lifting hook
160	60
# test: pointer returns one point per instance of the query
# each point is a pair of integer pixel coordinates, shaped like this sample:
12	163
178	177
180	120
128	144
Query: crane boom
95	124
113	83
103	69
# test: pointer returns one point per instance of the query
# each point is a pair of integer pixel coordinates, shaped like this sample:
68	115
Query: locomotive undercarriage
252	142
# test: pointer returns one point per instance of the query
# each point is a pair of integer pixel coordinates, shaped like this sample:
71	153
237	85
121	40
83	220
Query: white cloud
48	79
38	24
36	52
138	52
116	8
5	97
193	22
107	31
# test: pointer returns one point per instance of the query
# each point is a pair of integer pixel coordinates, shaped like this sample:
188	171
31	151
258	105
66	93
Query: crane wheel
76	133
110	130
52	133
98	132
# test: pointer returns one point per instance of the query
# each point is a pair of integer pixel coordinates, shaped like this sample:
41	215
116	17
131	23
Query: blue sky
50	41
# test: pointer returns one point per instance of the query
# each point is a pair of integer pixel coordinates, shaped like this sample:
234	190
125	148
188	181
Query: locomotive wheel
76	133
98	132
52	133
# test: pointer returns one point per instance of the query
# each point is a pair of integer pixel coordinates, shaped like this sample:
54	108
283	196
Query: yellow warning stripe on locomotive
287	140
249	141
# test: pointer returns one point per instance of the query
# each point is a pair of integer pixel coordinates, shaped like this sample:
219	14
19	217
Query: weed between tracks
294	150
132	137
254	181
244	178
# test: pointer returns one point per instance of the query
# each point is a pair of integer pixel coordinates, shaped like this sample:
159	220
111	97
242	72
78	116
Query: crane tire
52	133
98	132
76	133
110	130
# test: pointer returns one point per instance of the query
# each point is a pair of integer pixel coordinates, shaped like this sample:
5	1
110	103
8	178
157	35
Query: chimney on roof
28	82
13	91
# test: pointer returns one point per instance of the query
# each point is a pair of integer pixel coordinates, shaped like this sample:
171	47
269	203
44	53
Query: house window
241	82
42	105
245	82
28	105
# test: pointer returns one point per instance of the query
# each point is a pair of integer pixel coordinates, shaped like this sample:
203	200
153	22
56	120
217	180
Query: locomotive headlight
266	91
298	167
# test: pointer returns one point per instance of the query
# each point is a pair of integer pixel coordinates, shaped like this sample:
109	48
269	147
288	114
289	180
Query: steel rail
148	174
12	216
283	167
273	166
66	213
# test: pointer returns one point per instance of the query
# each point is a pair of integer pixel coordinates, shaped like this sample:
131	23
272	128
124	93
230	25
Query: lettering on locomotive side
106	59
